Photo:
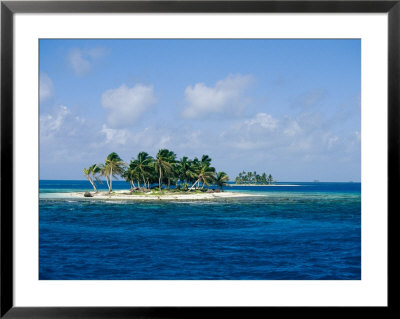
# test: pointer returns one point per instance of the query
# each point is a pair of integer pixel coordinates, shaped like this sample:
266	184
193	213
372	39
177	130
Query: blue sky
290	108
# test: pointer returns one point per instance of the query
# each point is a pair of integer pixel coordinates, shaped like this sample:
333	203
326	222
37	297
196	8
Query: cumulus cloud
257	132
46	87
61	123
115	136
125	105
66	137
52	123
82	60
263	120
292	129
266	136
227	96
149	139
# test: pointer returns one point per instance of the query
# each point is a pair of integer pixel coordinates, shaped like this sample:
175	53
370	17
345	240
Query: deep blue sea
311	231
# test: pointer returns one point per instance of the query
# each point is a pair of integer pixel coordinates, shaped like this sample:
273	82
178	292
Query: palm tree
152	176
205	159
113	166
132	174
270	180
264	178
90	174
162	164
172	162
105	171
143	165
184	170
199	166
205	175
220	179
182	167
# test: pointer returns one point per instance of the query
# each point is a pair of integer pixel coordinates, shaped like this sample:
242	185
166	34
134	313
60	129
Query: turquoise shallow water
311	231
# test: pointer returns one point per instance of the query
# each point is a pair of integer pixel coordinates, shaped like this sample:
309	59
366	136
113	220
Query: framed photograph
182	158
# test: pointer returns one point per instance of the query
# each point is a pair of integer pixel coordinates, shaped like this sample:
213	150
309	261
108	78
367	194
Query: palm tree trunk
94	184
91	182
94	187
194	184
159	180
144	182
110	189
108	184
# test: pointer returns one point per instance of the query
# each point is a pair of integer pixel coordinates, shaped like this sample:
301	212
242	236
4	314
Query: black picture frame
9	8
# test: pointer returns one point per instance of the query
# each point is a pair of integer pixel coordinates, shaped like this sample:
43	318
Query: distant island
254	179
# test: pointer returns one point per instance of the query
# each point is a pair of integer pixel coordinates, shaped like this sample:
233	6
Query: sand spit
125	195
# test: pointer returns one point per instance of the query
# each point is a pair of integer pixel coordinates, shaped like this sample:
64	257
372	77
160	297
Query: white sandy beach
125	195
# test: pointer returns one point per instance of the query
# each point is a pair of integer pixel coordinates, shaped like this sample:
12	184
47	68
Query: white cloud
292	128
80	119
263	120
52	123
82	60
46	87
150	139
260	132
225	97
61	124
126	105
302	138
115	136
332	141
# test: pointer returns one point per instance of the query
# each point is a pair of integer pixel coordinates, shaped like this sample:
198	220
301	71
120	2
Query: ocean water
311	231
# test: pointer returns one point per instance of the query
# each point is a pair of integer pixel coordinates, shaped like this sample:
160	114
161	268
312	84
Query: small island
252	178
156	178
